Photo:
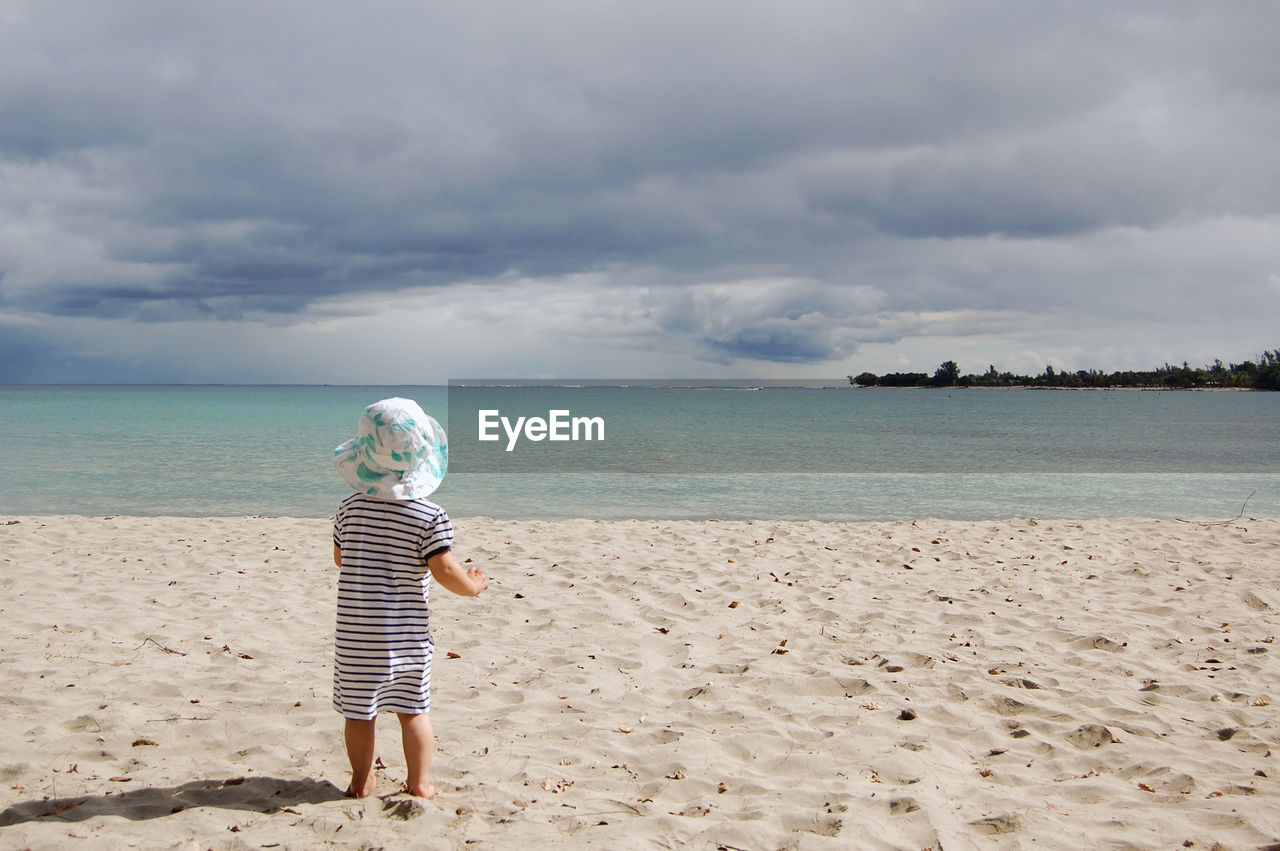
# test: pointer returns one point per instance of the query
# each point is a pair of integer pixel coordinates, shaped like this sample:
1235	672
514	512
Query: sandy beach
750	685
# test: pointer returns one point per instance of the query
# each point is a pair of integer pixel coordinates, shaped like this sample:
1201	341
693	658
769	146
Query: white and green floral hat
399	452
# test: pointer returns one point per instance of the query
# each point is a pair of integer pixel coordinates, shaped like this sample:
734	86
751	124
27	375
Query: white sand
1104	684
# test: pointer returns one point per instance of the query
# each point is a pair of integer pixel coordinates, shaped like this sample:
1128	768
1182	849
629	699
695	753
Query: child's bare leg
359	738
419	741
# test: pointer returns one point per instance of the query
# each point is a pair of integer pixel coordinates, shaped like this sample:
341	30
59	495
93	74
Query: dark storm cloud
795	322
781	341
236	159
32	355
39	126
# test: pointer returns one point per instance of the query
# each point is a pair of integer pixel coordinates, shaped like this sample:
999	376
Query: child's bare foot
363	791
422	790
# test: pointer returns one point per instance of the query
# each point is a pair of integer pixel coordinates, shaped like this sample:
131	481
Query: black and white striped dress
382	646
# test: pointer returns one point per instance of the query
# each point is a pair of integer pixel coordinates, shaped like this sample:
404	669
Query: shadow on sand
256	794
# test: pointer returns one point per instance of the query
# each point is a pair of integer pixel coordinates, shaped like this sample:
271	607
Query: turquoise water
796	453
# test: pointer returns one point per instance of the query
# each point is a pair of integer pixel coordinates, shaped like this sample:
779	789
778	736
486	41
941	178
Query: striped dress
382	645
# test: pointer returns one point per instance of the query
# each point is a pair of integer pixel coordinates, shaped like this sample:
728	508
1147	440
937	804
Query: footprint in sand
1101	642
1090	736
995	825
902	806
83	724
403	809
821	825
1255	602
730	669
1008	706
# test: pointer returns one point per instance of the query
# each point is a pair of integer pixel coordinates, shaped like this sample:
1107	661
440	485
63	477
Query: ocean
686	452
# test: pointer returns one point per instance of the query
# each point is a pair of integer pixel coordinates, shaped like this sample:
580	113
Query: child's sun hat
399	452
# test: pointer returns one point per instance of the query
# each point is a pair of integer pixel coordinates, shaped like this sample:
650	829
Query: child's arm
445	568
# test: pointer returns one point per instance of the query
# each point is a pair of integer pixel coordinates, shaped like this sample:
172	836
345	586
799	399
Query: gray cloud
236	161
791	322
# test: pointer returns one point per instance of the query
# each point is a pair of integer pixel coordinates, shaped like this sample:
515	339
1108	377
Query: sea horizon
787	452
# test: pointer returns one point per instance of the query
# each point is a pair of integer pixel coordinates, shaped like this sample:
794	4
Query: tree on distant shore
1263	375
904	379
1268	377
947	374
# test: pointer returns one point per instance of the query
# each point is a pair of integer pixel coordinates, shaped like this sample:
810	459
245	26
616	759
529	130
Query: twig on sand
1223	522
173	718
161	646
633	810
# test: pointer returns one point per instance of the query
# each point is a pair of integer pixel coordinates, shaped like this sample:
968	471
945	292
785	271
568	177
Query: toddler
389	540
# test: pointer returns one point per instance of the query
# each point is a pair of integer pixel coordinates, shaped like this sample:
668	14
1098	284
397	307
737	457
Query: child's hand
467	583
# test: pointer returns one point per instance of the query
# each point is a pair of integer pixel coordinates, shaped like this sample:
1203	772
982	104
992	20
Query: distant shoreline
1132	388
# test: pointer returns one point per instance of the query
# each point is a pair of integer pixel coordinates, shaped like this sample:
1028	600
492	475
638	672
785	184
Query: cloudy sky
407	192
